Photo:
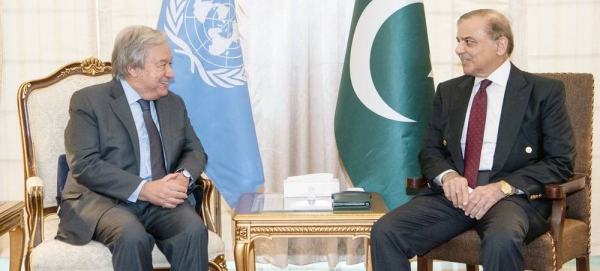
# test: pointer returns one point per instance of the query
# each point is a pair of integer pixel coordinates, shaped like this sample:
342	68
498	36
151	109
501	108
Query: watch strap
191	178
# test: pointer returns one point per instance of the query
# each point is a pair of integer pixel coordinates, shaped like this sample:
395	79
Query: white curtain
294	52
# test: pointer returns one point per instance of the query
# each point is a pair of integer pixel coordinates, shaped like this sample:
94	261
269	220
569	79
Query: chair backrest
43	107
579	89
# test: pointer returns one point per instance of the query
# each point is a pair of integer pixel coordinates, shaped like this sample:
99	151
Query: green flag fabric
385	97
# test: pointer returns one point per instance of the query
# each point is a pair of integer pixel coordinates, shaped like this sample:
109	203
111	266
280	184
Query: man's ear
501	45
132	71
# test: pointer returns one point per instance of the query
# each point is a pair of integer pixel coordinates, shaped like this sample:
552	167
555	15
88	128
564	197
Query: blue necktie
156	151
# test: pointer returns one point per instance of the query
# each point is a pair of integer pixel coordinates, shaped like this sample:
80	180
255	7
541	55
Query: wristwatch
186	174
505	188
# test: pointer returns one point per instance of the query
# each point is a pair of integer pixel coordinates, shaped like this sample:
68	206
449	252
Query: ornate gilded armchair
569	234
43	112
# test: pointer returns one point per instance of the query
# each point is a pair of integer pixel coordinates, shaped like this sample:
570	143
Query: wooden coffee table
272	215
12	221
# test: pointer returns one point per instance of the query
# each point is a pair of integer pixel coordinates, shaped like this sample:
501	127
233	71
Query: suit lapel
164	120
456	120
121	108
515	103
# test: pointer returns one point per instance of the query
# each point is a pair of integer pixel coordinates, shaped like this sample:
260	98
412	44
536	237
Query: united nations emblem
206	32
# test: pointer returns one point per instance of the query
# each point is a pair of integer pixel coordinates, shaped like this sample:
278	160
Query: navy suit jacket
535	144
103	154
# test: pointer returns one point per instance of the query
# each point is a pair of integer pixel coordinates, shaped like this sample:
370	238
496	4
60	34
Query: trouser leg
181	235
414	229
125	236
502	231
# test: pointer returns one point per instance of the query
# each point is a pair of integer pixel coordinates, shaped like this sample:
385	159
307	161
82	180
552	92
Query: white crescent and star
370	21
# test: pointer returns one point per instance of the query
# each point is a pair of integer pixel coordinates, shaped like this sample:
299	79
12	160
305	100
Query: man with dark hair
133	157
496	137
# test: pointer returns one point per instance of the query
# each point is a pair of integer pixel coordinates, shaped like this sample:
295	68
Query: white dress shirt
495	99
144	141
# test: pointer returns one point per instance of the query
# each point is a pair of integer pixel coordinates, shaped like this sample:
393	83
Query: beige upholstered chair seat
94	255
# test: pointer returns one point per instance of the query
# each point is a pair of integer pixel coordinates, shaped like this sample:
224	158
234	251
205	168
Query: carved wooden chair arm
209	212
415	182
558	194
552	191
34	206
561	190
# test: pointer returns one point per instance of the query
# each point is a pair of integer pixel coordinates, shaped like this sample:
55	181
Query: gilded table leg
368	264
17	243
241	251
251	258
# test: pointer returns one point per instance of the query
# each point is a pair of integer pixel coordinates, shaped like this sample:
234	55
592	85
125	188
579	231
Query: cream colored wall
38	36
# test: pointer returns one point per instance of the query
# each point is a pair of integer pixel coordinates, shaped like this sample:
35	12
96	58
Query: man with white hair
133	157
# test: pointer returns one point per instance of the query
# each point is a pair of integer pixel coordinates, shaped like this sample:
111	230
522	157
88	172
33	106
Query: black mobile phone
351	196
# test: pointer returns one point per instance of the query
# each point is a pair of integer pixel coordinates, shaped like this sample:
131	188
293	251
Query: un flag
210	76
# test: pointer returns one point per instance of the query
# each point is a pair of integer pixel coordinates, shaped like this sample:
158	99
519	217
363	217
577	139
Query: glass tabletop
279	203
273	206
276	203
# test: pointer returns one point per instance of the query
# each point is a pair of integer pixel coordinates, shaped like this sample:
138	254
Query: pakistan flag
385	97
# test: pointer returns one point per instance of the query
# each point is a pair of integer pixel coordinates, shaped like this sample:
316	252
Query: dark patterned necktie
156	151
475	134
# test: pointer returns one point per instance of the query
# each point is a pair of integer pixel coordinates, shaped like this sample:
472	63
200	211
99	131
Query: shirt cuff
438	179
134	196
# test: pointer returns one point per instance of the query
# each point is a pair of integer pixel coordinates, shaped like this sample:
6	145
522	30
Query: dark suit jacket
535	145
103	153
